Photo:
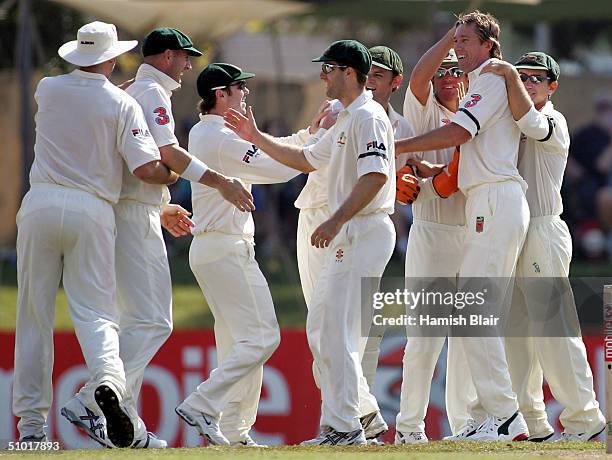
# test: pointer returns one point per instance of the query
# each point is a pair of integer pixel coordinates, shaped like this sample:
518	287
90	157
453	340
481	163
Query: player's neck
350	94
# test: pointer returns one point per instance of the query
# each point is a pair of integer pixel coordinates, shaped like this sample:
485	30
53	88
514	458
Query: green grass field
432	451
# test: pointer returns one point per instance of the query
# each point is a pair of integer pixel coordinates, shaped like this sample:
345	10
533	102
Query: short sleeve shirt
86	129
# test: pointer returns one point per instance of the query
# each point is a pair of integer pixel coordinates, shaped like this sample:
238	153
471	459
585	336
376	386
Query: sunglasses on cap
453	72
240	84
327	68
536	79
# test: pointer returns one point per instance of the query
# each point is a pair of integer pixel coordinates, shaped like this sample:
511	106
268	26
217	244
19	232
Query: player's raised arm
518	98
441	138
246	128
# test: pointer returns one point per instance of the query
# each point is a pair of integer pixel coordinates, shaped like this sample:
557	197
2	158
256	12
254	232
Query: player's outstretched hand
327	231
245	127
175	219
407	186
233	191
499	67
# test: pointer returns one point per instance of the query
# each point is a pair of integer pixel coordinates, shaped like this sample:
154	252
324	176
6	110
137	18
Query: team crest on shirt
536	267
250	154
479	224
341	139
162	117
339	255
474	99
445	121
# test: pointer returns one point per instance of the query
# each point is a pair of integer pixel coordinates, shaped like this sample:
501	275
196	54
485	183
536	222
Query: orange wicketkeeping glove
445	182
407	186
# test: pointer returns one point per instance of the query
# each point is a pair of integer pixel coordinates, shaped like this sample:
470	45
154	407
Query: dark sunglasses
453	72
536	79
327	68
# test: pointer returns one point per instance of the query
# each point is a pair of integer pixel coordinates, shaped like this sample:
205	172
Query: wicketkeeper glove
445	182
407	186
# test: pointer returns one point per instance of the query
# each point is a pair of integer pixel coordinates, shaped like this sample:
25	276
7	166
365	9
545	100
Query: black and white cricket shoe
150	442
414	437
119	425
247	441
88	419
207	425
513	428
34	438
373	425
330	437
541	437
468	430
586	436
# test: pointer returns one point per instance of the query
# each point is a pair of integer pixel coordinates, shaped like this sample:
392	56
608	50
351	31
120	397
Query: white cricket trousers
561	360
361	250
434	250
69	235
246	330
497	217
311	261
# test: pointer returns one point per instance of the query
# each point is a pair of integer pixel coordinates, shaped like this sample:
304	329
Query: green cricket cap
218	75
385	57
537	60
350	53
167	38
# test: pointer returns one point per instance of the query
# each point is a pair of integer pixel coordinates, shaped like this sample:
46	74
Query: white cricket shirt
492	153
425	118
86	128
221	149
153	90
360	142
543	152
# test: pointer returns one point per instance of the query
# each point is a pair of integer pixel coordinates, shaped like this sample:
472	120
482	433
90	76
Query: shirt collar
166	82
476	72
91	75
210	118
548	108
359	101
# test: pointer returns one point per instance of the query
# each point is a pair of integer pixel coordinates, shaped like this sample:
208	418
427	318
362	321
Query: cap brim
193	51
70	53
531	67
244	76
449	62
322	58
382	66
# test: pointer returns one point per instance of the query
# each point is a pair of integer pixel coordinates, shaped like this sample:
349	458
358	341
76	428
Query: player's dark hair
487	28
208	103
362	78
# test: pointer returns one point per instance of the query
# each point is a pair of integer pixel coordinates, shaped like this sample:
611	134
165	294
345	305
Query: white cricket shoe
88	419
374	442
247	441
468	429
414	437
119	424
513	428
587	436
330	437
207	425
541	437
373	425
150	442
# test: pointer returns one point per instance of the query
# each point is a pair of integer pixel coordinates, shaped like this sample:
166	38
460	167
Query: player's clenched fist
407	186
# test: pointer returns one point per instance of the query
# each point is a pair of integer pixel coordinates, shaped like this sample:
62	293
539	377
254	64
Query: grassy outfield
432	451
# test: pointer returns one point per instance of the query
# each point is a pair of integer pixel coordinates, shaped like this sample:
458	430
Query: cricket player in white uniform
384	78
222	258
497	214
435	248
144	287
547	253
85	129
361	177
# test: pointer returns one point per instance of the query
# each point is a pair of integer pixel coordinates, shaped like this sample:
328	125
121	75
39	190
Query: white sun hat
96	42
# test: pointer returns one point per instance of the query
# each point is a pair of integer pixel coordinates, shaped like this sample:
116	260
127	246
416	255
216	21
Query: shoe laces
489	425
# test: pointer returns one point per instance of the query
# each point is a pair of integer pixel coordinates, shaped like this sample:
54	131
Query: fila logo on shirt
474	99
375	145
253	152
141	133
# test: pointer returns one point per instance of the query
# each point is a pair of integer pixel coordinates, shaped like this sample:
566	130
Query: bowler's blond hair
487	29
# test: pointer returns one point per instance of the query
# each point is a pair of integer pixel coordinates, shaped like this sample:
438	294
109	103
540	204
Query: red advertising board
289	407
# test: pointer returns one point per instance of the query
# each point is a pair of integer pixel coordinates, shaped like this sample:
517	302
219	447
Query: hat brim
382	66
323	58
193	51
70	53
244	76
532	67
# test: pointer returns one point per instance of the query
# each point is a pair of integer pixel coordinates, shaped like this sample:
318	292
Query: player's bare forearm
155	172
518	98
230	188
289	155
175	157
424	70
444	137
